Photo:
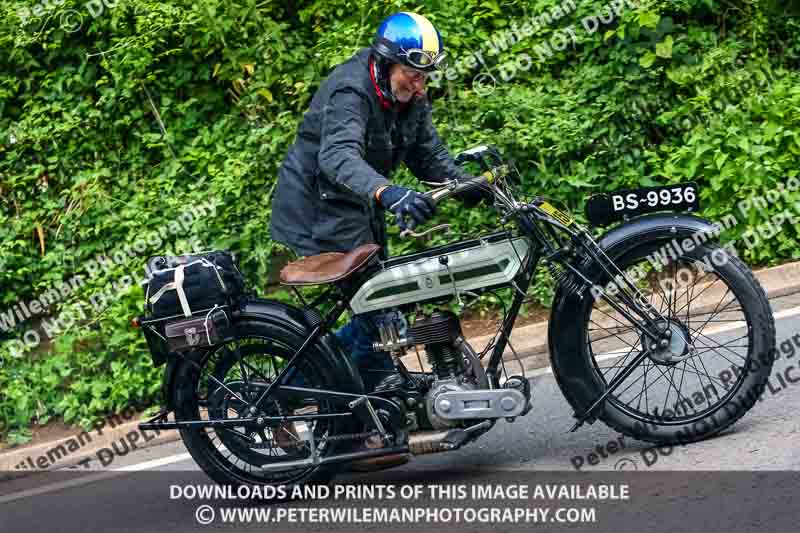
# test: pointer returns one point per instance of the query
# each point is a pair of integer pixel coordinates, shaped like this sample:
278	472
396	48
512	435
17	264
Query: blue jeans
357	337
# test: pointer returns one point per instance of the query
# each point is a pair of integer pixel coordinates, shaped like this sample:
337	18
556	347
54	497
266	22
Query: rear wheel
238	455
716	362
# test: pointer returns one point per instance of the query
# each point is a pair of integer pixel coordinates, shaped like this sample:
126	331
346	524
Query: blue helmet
409	39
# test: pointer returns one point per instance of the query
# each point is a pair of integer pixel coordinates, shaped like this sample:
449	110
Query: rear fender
292	318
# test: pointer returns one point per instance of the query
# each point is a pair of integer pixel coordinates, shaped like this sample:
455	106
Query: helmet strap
379	73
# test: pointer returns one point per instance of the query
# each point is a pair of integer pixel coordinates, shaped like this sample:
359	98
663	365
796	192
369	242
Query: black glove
472	197
402	201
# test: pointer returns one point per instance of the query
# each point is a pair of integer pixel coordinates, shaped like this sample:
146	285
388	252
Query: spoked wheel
248	453
714	362
247	367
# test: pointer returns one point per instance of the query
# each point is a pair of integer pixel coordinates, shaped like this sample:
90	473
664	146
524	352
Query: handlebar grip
448	191
444	193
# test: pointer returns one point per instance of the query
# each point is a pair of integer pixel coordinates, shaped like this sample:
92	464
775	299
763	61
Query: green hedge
672	91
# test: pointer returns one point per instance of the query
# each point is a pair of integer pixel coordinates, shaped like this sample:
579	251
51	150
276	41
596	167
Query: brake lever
438	184
407	232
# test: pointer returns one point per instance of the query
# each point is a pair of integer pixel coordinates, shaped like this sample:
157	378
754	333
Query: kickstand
161	416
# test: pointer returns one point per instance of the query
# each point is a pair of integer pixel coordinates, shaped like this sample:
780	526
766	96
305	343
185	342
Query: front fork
655	328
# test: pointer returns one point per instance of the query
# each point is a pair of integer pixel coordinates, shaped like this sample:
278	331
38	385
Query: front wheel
715	365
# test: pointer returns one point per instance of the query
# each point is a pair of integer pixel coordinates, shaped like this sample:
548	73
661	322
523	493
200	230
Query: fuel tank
486	262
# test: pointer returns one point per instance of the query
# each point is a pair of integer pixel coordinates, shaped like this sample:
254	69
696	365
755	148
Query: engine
455	379
454	363
439	332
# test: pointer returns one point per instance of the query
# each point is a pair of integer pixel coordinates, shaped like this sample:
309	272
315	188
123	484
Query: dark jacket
346	147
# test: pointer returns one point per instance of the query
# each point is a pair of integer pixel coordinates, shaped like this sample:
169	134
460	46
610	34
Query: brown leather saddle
327	267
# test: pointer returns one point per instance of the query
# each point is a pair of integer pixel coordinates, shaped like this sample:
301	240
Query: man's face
406	82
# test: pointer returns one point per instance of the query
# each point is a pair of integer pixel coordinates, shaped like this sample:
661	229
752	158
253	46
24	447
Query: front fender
655	226
287	316
571	369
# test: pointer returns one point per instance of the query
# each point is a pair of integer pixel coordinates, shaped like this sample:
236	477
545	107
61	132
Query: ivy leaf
771	129
666	25
266	94
647	59
744	144
578	182
649	19
700	149
664	48
691	168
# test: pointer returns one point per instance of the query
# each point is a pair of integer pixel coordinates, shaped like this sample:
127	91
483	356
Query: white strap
205	323
177	285
187	311
164	288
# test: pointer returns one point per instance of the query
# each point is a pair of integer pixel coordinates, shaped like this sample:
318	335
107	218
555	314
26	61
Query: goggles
423	59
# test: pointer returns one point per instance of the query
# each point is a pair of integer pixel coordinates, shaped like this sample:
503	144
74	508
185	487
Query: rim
246	366
696	374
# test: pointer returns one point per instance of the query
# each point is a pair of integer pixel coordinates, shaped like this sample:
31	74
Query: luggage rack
142	321
156	337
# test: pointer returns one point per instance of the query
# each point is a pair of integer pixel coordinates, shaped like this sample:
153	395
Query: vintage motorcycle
272	398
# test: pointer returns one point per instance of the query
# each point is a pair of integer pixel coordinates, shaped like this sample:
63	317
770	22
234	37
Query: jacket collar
384	102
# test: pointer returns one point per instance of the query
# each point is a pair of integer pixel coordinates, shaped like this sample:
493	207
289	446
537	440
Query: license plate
606	208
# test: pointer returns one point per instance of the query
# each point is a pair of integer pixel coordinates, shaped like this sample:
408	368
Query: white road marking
89	478
155	463
787	313
53	487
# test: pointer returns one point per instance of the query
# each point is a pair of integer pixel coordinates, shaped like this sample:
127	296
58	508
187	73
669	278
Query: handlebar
448	191
453	188
456	187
